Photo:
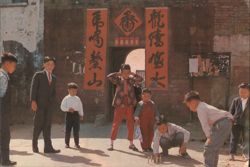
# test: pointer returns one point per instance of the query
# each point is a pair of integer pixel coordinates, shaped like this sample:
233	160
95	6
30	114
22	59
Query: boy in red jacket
124	102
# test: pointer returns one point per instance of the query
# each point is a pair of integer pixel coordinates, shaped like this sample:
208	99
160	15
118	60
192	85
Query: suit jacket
240	116
41	91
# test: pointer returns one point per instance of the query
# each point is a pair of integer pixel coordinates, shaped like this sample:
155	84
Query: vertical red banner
96	49
157	48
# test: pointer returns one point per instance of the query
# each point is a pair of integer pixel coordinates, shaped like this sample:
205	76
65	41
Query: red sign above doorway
128	21
157	48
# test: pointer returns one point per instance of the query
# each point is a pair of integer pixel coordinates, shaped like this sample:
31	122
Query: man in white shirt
72	105
216	124
240	110
168	135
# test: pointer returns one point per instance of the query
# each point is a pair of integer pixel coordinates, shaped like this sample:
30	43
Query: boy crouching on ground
168	135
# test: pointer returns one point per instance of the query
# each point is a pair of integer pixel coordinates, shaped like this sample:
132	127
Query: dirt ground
94	142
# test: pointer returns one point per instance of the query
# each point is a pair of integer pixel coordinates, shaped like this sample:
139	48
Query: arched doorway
136	59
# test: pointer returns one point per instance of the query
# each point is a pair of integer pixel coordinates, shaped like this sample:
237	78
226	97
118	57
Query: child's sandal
111	148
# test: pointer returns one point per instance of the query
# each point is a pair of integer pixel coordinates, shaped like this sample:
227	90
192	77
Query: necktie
49	78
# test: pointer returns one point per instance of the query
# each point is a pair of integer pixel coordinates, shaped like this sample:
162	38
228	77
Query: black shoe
78	146
9	163
35	150
150	149
147	150
111	148
186	155
164	153
53	151
231	158
132	147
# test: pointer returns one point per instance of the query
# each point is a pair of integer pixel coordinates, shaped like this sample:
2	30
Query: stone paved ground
94	142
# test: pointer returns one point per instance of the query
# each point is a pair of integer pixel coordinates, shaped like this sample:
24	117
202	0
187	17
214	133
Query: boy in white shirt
216	124
72	105
168	135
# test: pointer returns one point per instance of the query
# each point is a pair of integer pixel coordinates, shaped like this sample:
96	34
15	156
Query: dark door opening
117	57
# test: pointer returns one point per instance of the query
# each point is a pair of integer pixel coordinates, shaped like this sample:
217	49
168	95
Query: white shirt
244	103
172	130
72	102
208	115
4	78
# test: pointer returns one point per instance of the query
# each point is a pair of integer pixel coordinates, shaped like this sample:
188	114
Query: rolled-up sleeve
3	85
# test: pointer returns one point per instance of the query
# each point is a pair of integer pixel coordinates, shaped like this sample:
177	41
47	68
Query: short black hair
72	85
192	95
8	57
162	120
146	90
244	85
47	59
125	67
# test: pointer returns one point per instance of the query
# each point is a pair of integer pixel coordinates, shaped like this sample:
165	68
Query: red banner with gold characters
96	48
157	48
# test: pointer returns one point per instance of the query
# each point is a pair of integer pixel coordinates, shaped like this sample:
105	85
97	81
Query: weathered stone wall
64	36
232	35
21	32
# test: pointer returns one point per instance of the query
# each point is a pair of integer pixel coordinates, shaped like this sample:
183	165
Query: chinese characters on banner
96	45
128	21
157	48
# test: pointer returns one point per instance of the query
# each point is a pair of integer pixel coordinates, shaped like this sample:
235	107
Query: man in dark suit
239	109
43	91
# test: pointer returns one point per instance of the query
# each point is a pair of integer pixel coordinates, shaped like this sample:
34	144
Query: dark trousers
236	134
4	136
42	123
219	134
72	121
166	143
246	144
